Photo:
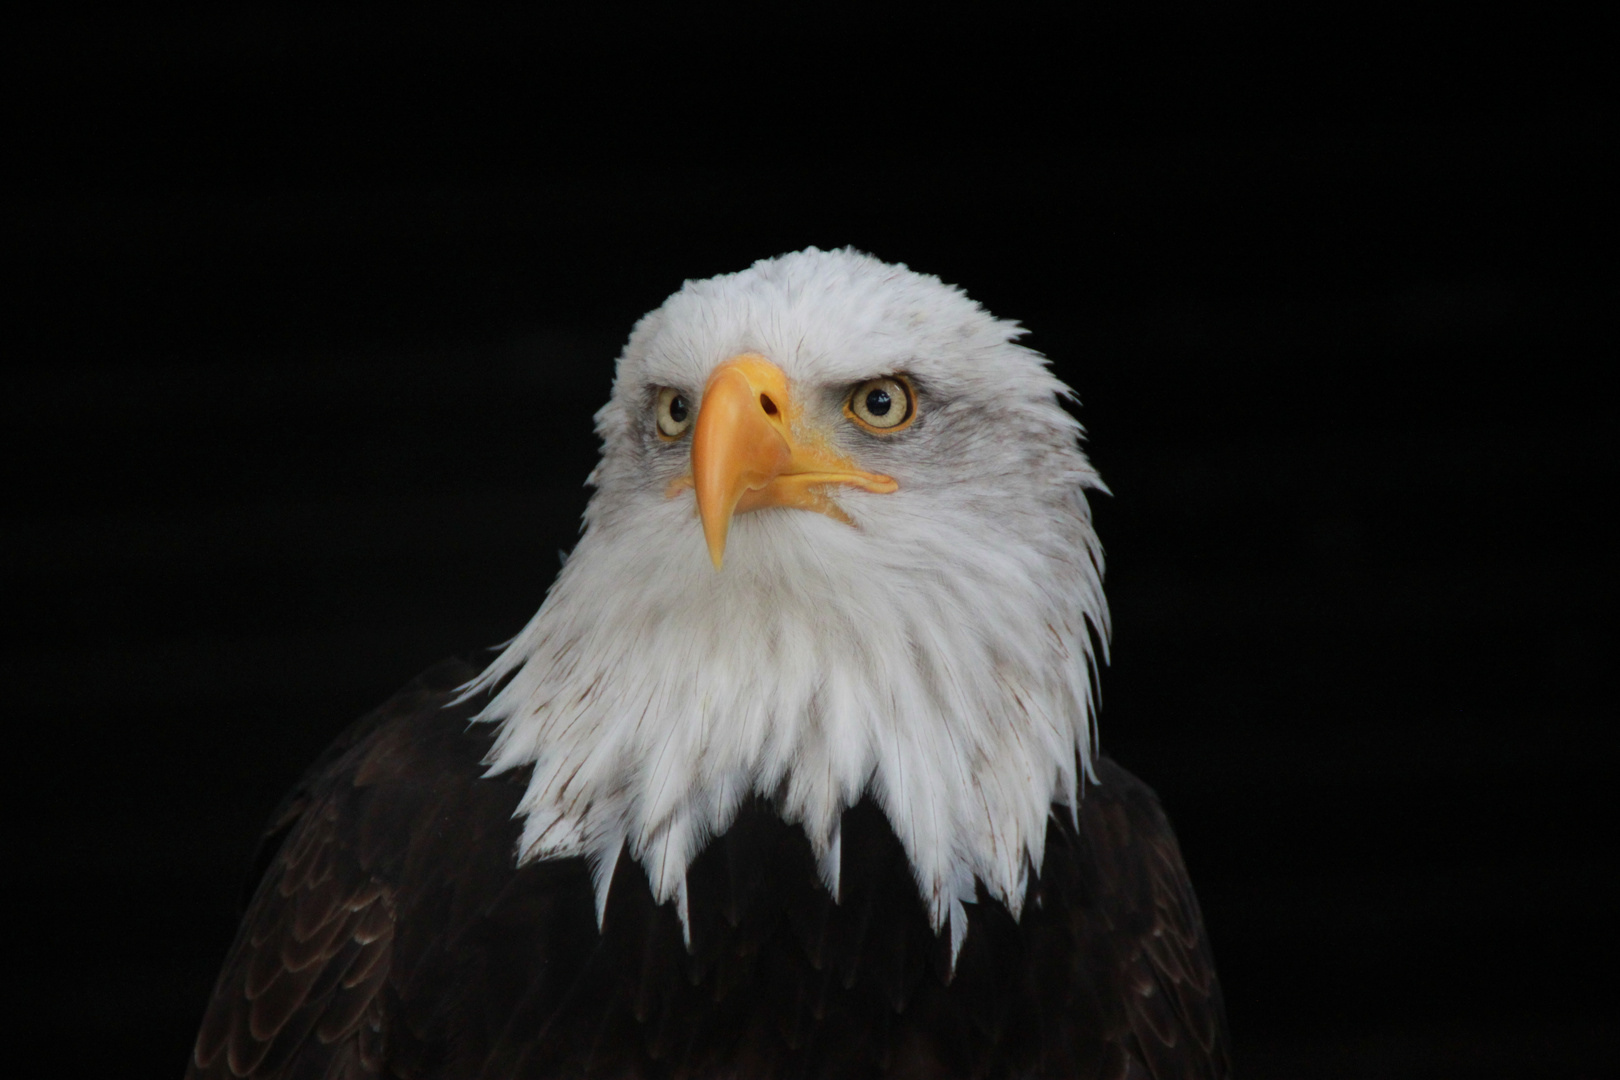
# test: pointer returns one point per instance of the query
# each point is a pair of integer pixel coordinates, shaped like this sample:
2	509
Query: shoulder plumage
392	930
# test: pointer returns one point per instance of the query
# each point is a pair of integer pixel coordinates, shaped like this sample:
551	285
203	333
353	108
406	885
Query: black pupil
677	409
878	402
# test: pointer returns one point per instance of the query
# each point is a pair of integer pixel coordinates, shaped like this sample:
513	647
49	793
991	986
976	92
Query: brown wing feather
301	992
304	976
305	973
1173	1021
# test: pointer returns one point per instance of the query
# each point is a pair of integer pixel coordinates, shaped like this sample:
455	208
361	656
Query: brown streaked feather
392	934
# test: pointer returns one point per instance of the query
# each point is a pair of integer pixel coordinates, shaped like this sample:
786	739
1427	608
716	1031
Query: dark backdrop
308	316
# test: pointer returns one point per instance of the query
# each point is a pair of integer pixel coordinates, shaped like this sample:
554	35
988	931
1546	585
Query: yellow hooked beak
751	449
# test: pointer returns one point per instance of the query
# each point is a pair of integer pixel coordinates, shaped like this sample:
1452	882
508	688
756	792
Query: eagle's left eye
674	414
882	405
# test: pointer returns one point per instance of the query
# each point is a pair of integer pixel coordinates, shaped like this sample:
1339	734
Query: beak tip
717	550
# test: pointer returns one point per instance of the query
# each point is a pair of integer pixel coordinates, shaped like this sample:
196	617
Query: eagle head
839	546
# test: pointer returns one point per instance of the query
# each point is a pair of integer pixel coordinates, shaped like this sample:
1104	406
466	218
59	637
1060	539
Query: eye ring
673	414
883	405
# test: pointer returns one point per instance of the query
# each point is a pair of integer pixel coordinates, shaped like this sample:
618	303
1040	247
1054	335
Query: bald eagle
794	772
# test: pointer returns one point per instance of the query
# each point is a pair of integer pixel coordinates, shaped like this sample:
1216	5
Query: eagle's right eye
674	414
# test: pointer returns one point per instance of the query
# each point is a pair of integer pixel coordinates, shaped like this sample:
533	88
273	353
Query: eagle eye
883	405
674	414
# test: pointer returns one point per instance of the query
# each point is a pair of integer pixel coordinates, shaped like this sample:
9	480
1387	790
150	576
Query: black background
308	315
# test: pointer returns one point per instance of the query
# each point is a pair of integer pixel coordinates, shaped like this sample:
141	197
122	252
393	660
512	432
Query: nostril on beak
767	404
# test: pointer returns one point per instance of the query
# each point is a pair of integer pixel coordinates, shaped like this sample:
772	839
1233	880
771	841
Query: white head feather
935	655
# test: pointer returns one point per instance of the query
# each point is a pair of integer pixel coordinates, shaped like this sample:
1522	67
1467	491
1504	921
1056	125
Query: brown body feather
391	934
